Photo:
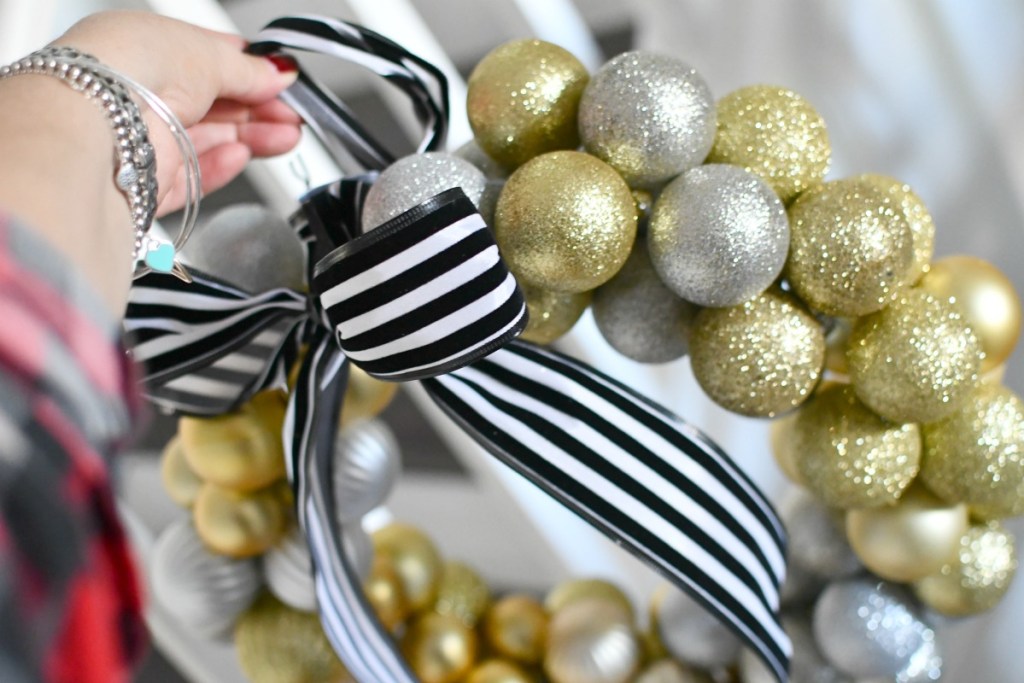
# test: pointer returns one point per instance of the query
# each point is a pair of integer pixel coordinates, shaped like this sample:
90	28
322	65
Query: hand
226	98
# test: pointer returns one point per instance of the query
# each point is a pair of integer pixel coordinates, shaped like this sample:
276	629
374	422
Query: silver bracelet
134	156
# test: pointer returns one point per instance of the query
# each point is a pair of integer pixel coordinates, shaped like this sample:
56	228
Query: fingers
218	167
230	111
263	139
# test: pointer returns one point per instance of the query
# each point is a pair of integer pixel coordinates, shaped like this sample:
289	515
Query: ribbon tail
357	636
650	481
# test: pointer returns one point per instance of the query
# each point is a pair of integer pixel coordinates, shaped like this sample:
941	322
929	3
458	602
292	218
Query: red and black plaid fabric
70	607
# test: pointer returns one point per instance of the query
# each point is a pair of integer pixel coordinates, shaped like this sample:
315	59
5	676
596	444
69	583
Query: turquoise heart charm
161	257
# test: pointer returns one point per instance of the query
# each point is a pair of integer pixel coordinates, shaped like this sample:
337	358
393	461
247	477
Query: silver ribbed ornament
817	540
690	633
205	592
249	246
806	666
649	116
868	628
416	178
639	316
366	464
718	235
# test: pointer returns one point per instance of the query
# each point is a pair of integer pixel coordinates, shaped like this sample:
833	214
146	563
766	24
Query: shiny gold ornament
180	482
552	314
414	558
439	648
365	396
850	247
670	671
976	455
589	642
241	451
277	644
781	439
565	222
915	361
922	227
979	577
760	358
516	626
848	456
987	299
522	100
240	524
774	133
385	593
462	593
910	540
498	671
574	590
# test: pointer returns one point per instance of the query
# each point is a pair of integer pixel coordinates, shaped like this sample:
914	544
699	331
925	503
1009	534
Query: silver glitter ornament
691	634
925	665
649	116
416	178
806	666
868	628
817	541
249	246
366	464
205	592
718	235
288	566
639	316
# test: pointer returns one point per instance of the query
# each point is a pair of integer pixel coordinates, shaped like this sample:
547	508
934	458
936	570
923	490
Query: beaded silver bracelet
134	156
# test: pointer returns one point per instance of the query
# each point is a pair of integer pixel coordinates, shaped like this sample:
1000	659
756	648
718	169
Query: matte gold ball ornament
915	361
552	314
910	540
462	593
439	648
522	100
180	481
775	133
414	558
848	456
922	227
565	222
515	627
850	247
978	577
277	644
760	358
976	455
986	298
241	524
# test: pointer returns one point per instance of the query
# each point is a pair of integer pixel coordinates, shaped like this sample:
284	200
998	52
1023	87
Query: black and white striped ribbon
646	478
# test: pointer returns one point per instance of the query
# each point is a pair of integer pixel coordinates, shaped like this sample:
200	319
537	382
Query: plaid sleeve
69	596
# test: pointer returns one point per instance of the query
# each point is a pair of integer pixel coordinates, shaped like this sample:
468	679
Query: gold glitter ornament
386	595
240	524
552	314
979	576
850	247
565	222
575	590
439	648
180	482
910	540
462	593
848	456
922	227
365	396
987	299
760	358
915	361
589	642
976	455
413	556
498	671
522	100
774	133
242	450
515	627
277	644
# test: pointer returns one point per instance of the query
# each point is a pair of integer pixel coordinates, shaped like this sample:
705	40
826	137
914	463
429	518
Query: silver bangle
134	156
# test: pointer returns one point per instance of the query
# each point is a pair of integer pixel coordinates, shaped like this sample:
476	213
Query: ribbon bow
427	297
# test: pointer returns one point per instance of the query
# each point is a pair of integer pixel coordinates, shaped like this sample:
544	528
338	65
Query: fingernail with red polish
283	63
